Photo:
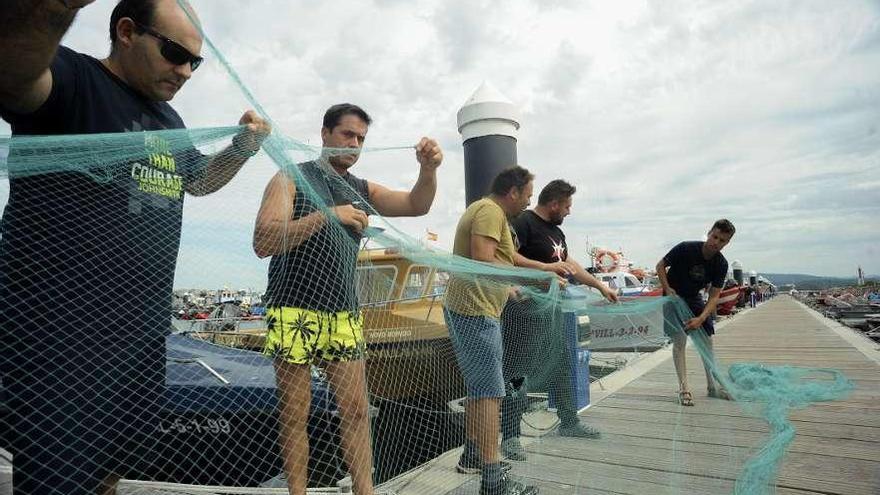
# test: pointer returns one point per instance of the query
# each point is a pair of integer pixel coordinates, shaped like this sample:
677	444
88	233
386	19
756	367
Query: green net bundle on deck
93	232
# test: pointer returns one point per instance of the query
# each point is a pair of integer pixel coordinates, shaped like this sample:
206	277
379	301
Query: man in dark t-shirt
310	222
688	268
87	257
542	246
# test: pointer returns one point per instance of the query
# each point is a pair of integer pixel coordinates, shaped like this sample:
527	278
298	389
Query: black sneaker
512	449
471	464
507	486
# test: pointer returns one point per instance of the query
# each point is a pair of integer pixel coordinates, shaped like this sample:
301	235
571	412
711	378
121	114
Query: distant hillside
803	281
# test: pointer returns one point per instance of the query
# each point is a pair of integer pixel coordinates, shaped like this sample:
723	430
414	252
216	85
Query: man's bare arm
30	31
664	279
418	200
587	278
711	304
275	232
697	321
223	165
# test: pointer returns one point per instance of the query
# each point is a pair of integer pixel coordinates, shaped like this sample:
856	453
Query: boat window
631	281
438	288
416	282
609	279
375	283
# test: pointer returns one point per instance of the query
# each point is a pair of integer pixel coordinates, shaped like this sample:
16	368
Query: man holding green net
472	310
686	269
541	246
310	222
87	258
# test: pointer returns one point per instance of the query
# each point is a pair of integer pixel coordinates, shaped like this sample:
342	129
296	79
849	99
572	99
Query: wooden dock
652	445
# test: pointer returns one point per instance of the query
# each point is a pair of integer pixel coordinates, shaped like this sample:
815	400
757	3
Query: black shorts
81	411
697	305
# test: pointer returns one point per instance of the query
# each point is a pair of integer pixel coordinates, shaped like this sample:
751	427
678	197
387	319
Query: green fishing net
105	216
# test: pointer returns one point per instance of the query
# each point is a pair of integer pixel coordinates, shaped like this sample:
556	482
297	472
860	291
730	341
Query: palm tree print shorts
303	336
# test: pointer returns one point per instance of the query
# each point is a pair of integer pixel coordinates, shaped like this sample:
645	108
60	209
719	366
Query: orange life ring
605	260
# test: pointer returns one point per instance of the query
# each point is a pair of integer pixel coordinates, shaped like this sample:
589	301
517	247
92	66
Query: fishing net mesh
106	371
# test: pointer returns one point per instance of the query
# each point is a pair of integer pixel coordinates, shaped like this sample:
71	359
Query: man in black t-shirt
310	222
542	246
87	258
692	266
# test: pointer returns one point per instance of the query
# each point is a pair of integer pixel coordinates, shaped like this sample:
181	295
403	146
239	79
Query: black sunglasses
172	50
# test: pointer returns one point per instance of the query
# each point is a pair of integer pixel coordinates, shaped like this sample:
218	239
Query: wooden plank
845	449
800	470
653	445
556	487
734	423
437	477
653	477
668	393
815	413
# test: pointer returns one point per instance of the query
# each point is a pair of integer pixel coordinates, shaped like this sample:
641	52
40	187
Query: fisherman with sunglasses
87	265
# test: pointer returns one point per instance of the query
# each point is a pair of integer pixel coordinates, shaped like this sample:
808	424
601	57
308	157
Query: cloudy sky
665	115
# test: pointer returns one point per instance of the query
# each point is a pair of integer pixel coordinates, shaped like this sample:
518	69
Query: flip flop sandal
685	398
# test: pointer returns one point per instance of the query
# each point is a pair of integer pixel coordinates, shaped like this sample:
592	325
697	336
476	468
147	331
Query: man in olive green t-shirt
472	310
486	219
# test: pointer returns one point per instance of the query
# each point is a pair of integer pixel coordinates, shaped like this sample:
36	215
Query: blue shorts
479	352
